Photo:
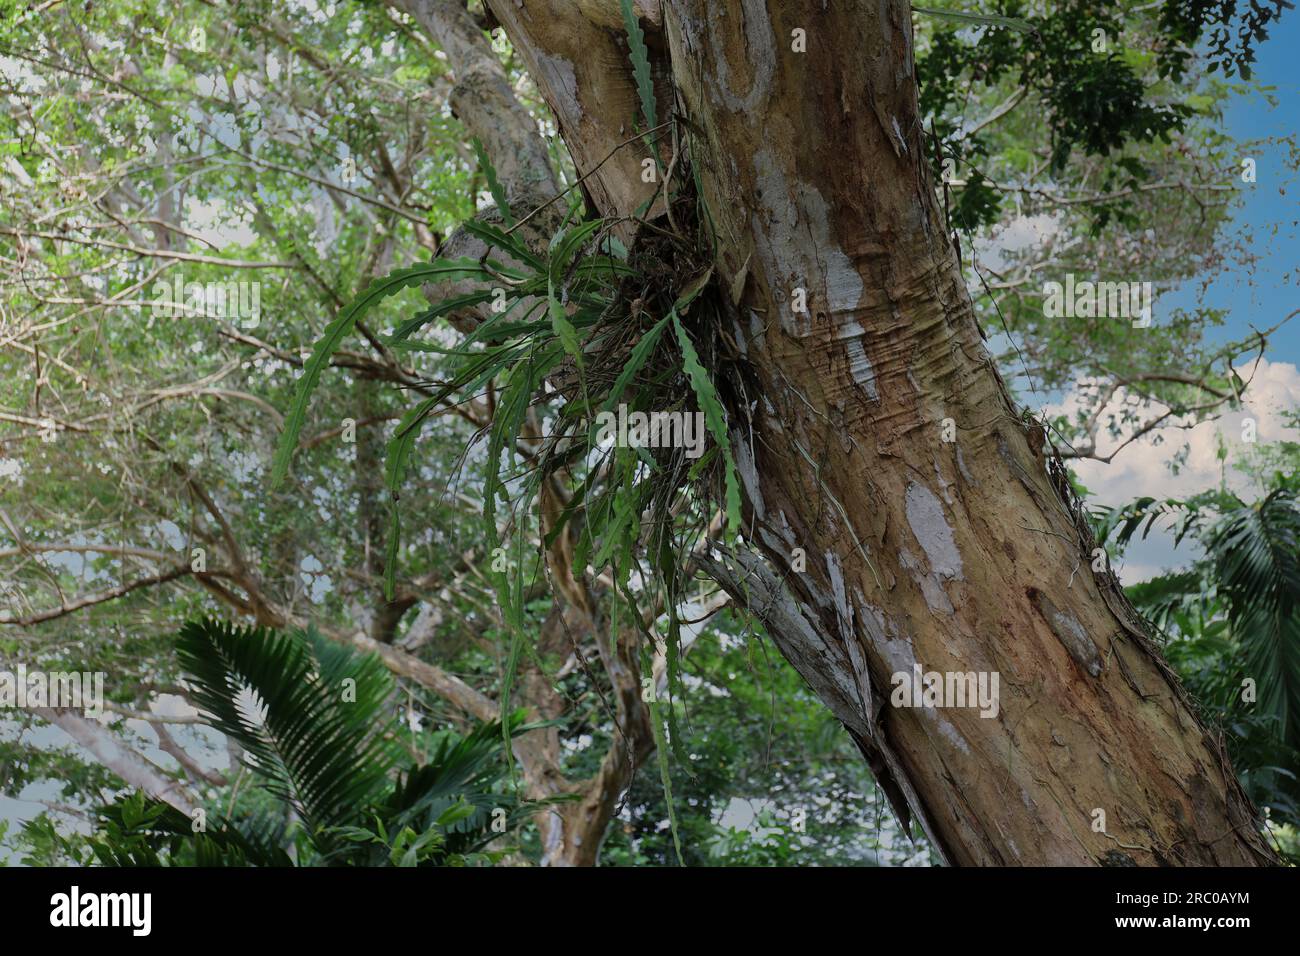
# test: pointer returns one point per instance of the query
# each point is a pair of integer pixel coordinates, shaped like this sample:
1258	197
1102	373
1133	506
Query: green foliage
1098	102
1256	551
1233	28
312	719
494	184
774	779
714	415
1098	70
640	58
22	765
665	777
977	203
1233	616
444	811
140	831
977	19
251	139
340	328
304	710
601	343
767	841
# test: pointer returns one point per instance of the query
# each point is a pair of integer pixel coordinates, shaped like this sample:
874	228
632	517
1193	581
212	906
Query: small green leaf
715	417
339	329
640	355
640	57
399	452
563	328
497	239
661	748
494	185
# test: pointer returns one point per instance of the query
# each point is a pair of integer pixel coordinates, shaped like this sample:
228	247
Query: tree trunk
963	555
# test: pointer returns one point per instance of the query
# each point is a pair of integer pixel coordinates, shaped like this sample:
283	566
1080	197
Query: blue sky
1273	293
1270	210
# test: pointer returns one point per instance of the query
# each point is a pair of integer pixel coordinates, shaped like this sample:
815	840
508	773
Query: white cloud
1143	467
1006	243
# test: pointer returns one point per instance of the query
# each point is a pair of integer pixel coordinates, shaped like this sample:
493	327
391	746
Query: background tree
889	329
324	148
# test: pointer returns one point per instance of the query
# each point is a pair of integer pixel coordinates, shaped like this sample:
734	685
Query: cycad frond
287	699
460	769
1256	551
139	830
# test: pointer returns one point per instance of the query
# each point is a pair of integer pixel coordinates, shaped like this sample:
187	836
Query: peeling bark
577	55
961	556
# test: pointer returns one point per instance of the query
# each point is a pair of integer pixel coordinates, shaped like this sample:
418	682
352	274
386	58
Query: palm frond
305	713
1256	551
139	830
1172	596
461	769
1119	525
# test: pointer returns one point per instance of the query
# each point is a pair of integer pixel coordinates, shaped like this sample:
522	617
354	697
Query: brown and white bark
483	99
957	556
576	53
134	769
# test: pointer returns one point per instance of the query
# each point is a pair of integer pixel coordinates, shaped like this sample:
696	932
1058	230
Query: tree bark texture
958	556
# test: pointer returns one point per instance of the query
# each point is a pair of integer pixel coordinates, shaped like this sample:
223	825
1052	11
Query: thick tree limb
131	766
